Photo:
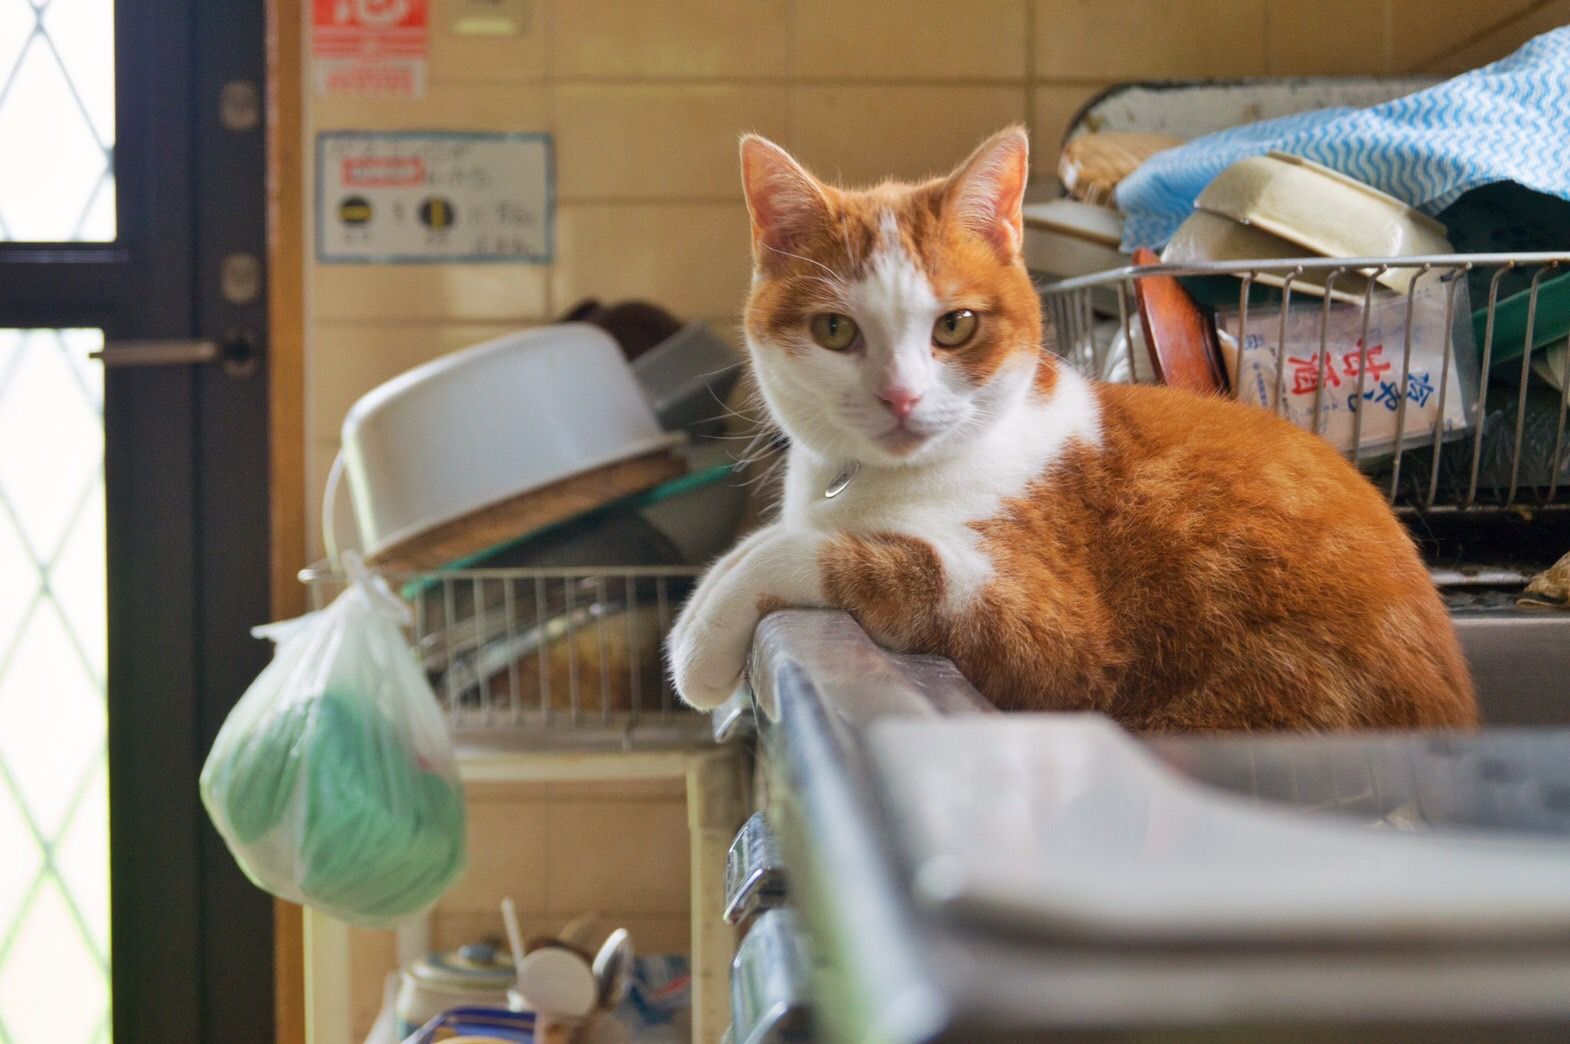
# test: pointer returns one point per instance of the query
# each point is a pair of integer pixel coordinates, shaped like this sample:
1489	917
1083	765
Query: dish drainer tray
1418	385
544	658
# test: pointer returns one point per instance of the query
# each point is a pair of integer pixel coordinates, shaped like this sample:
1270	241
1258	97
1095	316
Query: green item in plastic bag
333	780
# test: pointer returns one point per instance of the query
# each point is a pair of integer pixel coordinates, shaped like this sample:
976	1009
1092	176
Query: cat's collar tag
841	480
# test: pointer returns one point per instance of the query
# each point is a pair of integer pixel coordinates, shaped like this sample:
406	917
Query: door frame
286	159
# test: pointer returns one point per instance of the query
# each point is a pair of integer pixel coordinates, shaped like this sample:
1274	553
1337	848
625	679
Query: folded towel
1509	121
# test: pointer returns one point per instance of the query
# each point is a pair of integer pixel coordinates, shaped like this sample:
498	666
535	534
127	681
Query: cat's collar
835	488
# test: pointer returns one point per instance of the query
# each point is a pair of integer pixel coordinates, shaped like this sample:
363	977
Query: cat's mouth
901	440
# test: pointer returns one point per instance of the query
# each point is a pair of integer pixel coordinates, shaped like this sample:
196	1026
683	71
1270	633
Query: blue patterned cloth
1509	121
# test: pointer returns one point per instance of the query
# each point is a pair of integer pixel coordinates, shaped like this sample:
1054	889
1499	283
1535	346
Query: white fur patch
896	308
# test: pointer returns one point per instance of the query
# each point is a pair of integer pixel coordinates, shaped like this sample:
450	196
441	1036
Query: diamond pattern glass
57	127
54	791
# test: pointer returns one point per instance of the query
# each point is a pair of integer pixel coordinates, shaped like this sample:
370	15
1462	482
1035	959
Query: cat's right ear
786	203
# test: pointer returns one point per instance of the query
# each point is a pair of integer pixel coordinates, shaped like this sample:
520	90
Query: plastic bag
333	779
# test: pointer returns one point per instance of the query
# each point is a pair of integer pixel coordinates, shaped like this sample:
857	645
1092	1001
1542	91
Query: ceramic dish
1323	211
1213	237
1064	237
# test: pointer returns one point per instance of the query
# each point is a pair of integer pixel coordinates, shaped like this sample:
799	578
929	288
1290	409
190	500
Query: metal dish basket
1432	374
547	658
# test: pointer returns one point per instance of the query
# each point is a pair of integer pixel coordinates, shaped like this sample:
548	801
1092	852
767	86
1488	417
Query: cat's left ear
988	190
786	203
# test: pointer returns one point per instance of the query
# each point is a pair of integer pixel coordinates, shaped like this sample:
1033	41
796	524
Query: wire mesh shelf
1444	378
539	658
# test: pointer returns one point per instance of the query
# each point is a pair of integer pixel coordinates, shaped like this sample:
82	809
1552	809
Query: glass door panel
57	125
54	797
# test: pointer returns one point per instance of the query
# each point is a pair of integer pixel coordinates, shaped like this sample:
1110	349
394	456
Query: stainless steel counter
888	967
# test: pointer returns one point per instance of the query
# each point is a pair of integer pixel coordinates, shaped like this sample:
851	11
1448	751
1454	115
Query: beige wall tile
618	857
508	848
348	359
910	39
506	790
690	258
673	39
1054	109
637	142
668	790
658	934
859	135
522	56
663	934
495	293
1501	40
1148	39
1423	32
452	930
446	106
1327	38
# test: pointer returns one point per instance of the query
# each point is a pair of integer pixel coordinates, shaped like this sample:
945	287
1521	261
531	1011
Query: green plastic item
333	780
1551	324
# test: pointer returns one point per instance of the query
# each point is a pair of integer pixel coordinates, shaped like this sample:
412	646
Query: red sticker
370	46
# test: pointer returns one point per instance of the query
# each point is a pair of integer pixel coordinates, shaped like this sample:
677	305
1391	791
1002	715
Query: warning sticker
432	196
370	46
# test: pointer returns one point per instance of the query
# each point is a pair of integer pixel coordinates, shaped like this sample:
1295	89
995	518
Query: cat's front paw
707	656
709	645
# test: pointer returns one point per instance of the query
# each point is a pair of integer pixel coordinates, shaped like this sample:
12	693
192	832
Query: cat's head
888	325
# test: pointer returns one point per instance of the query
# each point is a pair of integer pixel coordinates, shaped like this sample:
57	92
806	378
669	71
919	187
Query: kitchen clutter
588	467
1442	379
557	988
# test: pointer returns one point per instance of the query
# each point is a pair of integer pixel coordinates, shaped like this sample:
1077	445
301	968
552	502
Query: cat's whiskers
808	260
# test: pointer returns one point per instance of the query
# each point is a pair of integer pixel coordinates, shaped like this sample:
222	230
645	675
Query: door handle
236	351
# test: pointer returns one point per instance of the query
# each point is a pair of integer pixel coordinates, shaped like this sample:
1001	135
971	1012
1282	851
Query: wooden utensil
1180	337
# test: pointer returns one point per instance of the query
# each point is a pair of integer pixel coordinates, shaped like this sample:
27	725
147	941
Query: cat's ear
987	191
786	203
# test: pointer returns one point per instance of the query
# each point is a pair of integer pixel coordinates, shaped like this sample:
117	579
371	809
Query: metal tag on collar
837	487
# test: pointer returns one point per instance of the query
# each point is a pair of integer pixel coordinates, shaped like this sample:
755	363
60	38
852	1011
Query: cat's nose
900	401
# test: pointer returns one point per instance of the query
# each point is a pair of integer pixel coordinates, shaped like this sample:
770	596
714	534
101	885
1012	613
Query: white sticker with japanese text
428	197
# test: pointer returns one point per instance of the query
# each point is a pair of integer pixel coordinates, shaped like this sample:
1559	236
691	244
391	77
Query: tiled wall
646	99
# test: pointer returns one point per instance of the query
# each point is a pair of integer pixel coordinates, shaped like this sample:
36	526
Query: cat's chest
946	504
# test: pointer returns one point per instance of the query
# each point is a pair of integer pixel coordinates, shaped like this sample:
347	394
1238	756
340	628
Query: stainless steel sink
1520	664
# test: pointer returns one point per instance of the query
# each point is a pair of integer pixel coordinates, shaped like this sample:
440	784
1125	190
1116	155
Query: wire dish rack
1444	378
547	658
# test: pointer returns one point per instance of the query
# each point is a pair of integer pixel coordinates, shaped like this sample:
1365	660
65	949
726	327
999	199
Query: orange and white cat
1171	560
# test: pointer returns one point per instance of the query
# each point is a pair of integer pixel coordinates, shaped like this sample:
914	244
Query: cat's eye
833	331
955	329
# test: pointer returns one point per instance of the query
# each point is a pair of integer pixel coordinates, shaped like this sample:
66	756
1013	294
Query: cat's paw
709	645
708	654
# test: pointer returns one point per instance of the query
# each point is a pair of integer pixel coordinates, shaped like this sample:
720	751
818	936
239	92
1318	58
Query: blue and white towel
1509	121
